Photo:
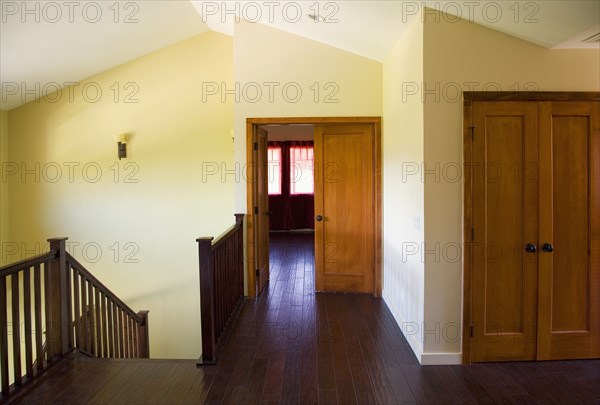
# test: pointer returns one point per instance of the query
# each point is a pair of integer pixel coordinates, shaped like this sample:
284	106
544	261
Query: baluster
217	297
116	329
223	290
84	315
111	344
231	272
120	330
27	315
131	327
4	337
47	310
125	333
37	292
98	323
91	319
227	286
104	326
228	276
77	314
68	322
134	332
239	219
231	285
16	329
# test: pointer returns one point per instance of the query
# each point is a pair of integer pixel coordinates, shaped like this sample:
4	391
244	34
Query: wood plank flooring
292	346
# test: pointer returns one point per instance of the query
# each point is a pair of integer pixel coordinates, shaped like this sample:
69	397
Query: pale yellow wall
403	267
4	217
471	56
174	135
267	55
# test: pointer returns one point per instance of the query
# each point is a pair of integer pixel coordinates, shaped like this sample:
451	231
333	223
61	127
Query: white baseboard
414	344
431	359
426	359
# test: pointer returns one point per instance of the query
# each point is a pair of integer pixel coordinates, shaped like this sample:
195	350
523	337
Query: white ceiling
71	43
85	40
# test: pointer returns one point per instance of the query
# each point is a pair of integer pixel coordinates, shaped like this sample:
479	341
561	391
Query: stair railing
57	306
221	287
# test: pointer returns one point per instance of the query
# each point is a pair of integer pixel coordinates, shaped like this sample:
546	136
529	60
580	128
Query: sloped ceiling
42	46
62	42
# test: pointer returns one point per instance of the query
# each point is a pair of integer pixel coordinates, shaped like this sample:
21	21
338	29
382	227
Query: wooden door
344	208
569	276
505	220
261	210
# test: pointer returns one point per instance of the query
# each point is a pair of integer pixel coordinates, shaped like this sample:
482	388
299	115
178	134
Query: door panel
569	320
344	197
262	212
505	220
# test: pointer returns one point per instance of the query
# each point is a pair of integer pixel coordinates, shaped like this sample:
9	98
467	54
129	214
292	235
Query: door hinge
255	210
471	332
255	145
472	234
472	133
257	272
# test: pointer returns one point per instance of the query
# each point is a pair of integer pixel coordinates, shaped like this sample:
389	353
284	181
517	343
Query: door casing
251	185
469	98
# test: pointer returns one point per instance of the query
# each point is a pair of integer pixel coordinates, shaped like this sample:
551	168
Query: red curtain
293	211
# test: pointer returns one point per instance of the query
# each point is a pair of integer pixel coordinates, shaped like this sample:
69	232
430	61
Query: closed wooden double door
535	284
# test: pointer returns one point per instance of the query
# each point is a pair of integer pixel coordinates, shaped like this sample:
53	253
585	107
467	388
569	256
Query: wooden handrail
221	286
216	242
58	306
12	268
103	289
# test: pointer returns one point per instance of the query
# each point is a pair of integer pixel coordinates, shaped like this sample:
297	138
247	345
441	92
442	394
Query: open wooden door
347	202
261	209
345	220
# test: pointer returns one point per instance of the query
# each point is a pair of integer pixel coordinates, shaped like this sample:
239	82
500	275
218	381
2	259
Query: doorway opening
342	215
290	176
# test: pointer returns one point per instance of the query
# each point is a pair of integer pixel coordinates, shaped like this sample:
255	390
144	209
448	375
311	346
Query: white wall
403	269
348	85
464	56
136	234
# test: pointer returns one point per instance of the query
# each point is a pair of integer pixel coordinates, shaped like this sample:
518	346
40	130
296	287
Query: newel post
58	297
207	307
142	336
239	218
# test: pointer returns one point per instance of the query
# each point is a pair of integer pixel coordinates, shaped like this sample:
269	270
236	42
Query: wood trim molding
470	96
250	243
378	211
251	123
314	120
468	224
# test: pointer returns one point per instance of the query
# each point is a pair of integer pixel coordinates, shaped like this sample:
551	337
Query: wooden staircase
50	307
53	311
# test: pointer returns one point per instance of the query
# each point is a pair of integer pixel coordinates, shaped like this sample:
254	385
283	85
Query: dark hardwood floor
292	346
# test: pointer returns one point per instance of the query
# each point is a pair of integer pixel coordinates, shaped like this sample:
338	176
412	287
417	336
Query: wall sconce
121	145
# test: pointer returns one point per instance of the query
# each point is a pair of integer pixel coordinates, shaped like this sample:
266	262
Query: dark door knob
319	218
530	248
547	247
